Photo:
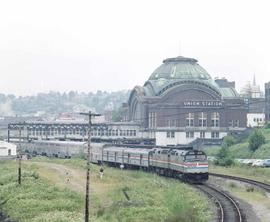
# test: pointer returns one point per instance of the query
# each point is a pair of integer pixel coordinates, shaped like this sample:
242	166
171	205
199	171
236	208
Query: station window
171	123
215	119
190	119
189	134
170	134
152	120
202	119
202	134
236	123
215	135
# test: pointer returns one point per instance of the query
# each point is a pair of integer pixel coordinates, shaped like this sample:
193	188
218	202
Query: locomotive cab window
195	157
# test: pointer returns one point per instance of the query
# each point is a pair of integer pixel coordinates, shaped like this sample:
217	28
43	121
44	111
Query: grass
242	151
152	198
256	173
36	198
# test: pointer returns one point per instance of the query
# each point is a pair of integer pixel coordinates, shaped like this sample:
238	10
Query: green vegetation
35	200
56	102
256	173
223	155
256	146
116	115
256	140
46	196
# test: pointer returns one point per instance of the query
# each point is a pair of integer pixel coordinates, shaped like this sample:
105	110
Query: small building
7	150
255	119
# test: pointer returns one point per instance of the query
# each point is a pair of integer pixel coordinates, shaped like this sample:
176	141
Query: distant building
255	102
7	150
251	90
267	101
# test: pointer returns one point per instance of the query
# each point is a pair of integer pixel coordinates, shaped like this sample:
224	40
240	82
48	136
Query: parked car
266	163
258	163
248	161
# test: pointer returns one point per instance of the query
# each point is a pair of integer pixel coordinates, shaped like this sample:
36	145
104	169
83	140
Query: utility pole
90	115
20	157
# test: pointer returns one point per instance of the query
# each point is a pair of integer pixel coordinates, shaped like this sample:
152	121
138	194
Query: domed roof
180	68
176	71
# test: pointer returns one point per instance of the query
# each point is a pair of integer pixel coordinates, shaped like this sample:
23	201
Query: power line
90	115
20	158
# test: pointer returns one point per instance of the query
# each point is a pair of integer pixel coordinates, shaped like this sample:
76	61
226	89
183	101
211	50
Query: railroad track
259	184
228	210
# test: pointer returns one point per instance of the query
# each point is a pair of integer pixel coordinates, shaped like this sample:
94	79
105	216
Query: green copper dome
179	71
180	68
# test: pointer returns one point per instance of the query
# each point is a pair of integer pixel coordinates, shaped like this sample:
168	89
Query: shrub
228	141
256	139
267	126
223	157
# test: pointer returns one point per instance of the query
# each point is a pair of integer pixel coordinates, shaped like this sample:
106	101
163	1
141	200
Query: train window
190	157
201	157
195	157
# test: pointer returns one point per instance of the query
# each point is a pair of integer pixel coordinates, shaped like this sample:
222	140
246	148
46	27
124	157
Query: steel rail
262	185
225	215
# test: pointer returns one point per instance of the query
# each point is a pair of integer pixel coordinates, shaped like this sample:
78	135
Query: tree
223	157
256	139
116	115
228	141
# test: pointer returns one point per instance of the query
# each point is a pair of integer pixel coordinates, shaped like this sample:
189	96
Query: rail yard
182	163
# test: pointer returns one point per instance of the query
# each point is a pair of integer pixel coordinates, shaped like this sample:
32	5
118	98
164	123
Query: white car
248	161
266	163
258	163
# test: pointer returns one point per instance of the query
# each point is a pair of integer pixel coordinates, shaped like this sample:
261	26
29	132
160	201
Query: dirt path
62	175
68	177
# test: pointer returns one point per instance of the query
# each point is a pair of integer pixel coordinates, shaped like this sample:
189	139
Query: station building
181	102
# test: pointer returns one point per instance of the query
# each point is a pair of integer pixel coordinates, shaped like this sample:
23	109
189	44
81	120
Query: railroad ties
228	209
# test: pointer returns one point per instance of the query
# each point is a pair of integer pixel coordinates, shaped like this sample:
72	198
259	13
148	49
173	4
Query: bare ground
255	202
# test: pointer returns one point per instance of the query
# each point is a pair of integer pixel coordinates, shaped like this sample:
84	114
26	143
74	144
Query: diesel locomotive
188	165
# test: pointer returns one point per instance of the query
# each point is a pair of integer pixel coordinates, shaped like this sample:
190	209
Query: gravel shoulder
254	202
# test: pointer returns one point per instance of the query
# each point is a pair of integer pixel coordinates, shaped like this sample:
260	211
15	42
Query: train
188	165
60	149
179	162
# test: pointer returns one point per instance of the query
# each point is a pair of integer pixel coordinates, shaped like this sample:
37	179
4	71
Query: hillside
241	150
56	102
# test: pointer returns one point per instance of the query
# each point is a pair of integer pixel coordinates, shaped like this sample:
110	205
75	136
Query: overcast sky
111	45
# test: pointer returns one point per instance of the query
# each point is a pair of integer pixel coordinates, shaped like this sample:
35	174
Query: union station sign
203	104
